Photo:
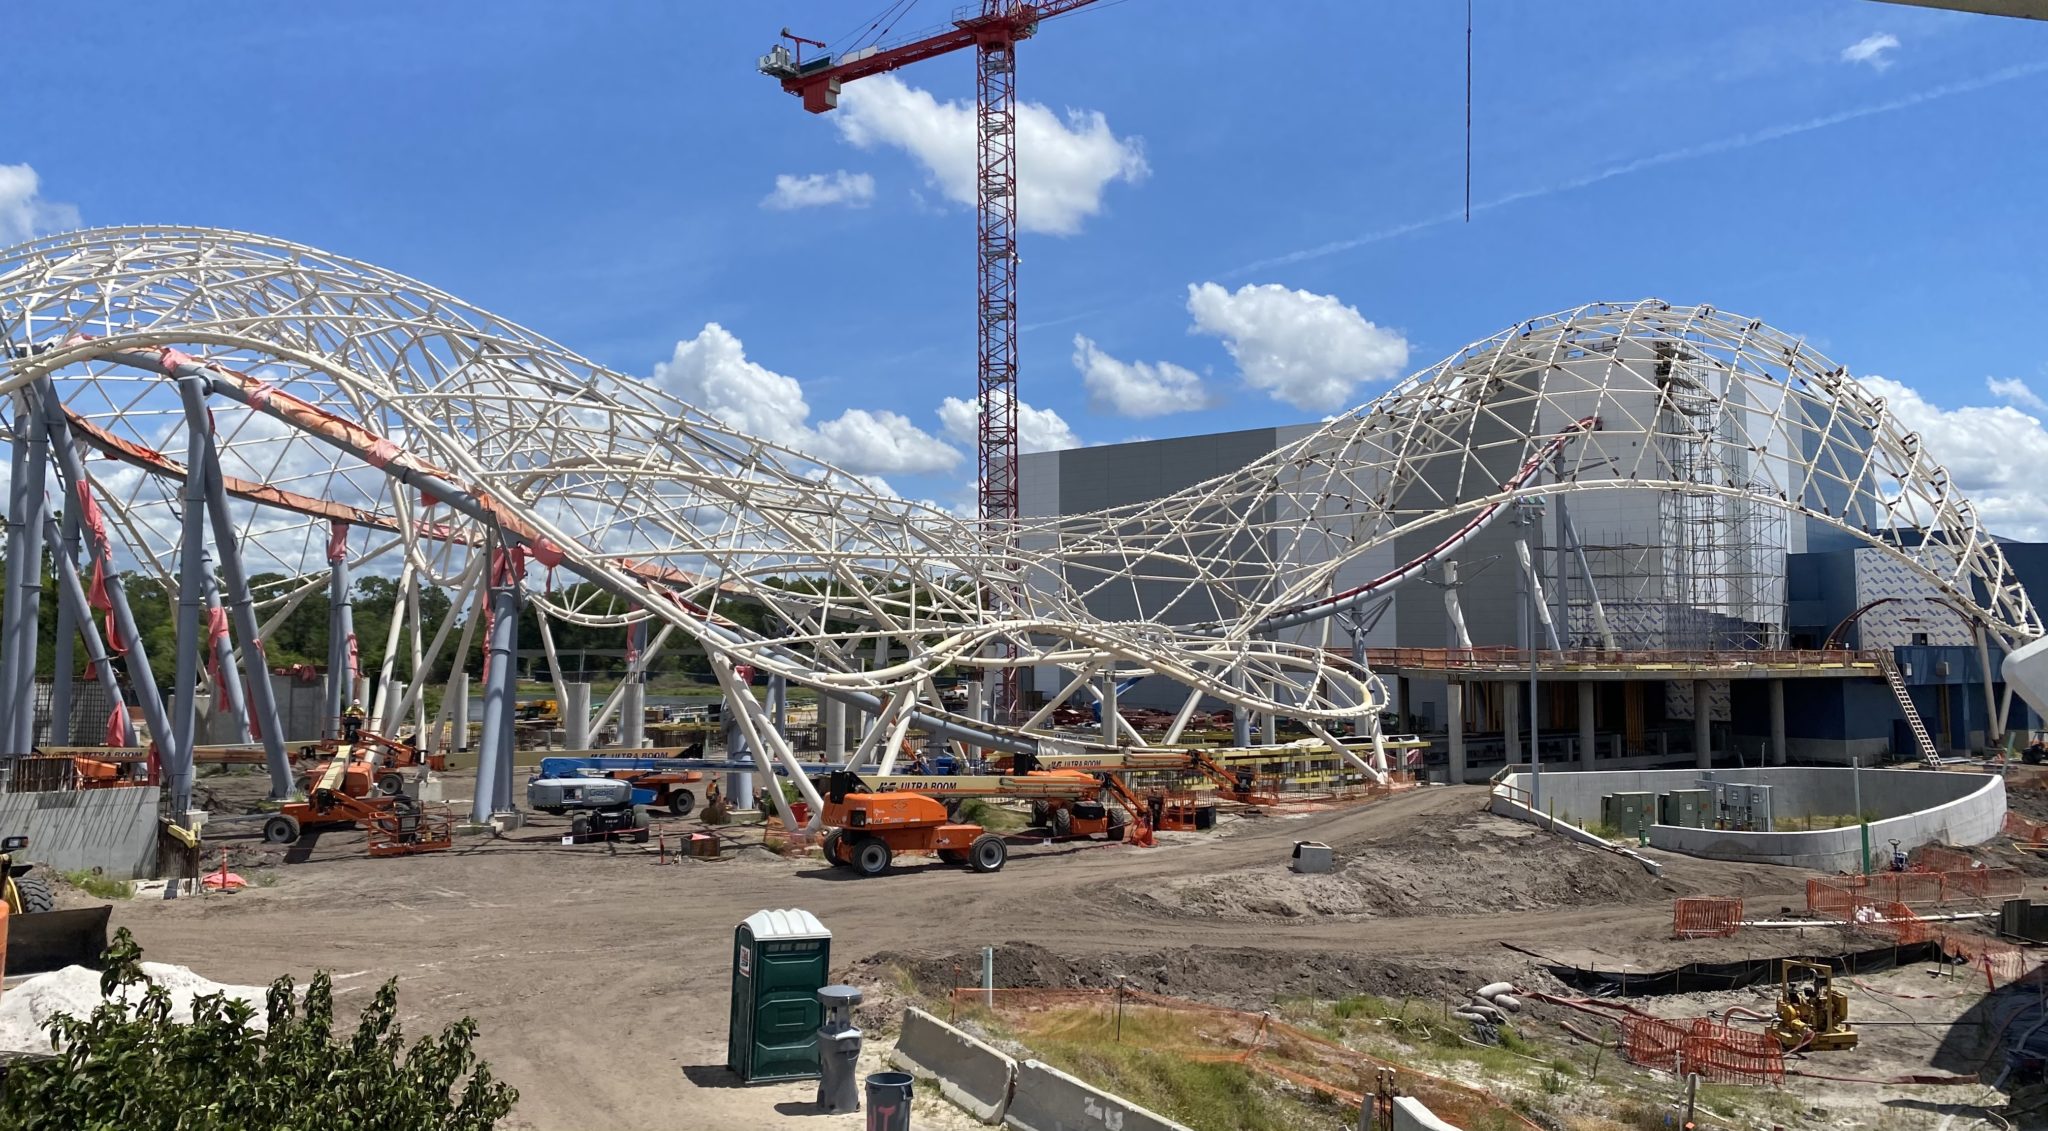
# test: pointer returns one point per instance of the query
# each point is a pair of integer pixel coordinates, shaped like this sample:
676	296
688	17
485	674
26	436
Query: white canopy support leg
1379	777
634	670
897	734
1056	702
736	692
879	732
388	670
1187	712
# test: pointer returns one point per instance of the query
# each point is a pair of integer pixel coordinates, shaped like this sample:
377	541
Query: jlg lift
872	822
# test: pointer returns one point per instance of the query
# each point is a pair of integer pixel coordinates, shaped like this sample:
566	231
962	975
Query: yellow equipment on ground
1812	1014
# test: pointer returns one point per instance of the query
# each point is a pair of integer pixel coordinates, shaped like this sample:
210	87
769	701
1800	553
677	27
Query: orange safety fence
1941	858
1711	917
2001	963
1194	1030
1837	895
1713	1049
2019	828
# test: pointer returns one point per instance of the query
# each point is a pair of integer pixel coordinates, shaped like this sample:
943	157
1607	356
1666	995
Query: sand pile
26	1009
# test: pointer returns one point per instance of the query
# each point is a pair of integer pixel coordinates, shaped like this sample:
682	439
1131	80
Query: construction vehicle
1160	809
603	807
356	785
38	937
1812	1014
382	759
870	827
661	783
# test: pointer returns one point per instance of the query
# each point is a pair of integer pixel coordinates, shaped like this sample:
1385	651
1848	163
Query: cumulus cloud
819	190
1307	350
712	372
1871	49
1063	164
1038	429
1986	450
23	211
2014	391
1136	388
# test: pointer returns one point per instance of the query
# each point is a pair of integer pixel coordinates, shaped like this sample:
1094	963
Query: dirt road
600	980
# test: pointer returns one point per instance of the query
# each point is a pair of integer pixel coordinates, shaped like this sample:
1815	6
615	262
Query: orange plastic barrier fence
1712	917
1836	897
1711	1048
1941	858
2019	828
1826	897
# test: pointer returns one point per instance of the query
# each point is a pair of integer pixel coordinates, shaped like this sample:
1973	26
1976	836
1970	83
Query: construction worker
352	721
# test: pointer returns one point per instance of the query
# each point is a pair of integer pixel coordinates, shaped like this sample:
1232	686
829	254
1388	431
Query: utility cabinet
1630	814
1686	808
779	963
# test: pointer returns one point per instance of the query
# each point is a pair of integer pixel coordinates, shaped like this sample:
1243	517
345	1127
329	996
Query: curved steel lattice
342	393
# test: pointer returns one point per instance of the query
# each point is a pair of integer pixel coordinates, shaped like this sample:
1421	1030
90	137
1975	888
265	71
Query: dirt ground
599	978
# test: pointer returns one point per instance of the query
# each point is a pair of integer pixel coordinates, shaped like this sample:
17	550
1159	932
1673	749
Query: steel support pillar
1588	731
10	604
778	703
71	476
176	747
1779	748
1454	716
1702	727
834	714
1108	706
1240	717
501	706
230	692
341	676
458	693
261	710
63	672
26	506
71	599
633	692
576	715
1511	719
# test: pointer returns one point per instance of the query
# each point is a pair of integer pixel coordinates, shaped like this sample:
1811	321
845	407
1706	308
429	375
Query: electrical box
779	960
1630	814
1742	807
1686	808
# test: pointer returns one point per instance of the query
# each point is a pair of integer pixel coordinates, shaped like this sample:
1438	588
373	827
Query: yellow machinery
1812	1014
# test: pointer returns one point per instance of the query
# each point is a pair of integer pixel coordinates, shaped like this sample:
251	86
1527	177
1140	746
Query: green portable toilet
779	959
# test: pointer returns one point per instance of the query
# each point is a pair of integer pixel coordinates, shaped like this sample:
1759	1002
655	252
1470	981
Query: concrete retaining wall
114	830
1047	1099
977	1078
1914	807
1410	1115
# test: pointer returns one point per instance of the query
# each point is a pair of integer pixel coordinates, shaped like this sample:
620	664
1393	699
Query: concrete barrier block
971	1074
1046	1099
1410	1115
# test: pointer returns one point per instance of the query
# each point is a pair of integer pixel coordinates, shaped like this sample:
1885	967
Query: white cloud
1871	49
1063	166
1985	450
2014	391
23	212
1308	350
1137	388
712	372
1038	429
818	190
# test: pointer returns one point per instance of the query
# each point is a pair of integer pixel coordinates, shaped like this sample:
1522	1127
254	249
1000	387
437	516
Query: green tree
132	1068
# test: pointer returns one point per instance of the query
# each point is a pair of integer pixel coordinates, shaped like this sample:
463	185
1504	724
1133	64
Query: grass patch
98	886
1813	821
995	818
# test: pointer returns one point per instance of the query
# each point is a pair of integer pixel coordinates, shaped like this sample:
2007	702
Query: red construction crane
994	34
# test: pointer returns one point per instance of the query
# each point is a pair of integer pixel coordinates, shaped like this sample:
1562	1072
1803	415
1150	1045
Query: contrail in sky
1669	157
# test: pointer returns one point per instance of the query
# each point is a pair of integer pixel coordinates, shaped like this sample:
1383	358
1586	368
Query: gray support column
230	689
71	475
1109	727
71	599
1454	715
260	713
177	746
1240	718
833	712
31	582
500	705
1702	726
1779	751
459	709
340	673
576	715
633	714
1588	706
62	672
778	703
10	604
1511	719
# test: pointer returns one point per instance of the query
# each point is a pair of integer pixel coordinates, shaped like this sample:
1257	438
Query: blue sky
1866	174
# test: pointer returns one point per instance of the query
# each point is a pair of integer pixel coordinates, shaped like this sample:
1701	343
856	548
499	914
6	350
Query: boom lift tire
830	847
642	833
391	783
579	826
34	892
680	802
281	828
871	856
1038	815
987	853
1062	824
1116	825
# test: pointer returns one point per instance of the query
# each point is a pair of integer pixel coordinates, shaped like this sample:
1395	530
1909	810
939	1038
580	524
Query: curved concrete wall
1914	807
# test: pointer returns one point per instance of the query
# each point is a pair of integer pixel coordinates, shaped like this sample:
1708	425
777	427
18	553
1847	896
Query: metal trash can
838	1050
889	1101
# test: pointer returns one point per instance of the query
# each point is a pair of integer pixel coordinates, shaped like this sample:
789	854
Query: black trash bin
889	1101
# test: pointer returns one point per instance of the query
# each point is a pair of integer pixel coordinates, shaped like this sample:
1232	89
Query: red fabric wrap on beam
337	542
173	359
381	453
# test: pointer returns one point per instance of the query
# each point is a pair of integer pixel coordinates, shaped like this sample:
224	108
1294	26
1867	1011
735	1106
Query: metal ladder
1905	698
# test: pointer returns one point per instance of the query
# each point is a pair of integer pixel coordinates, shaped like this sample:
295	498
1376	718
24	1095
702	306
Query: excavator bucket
51	940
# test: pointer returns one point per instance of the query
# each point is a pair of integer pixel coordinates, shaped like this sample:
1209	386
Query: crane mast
994	34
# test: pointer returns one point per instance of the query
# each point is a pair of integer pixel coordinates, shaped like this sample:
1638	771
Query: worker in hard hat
352	721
